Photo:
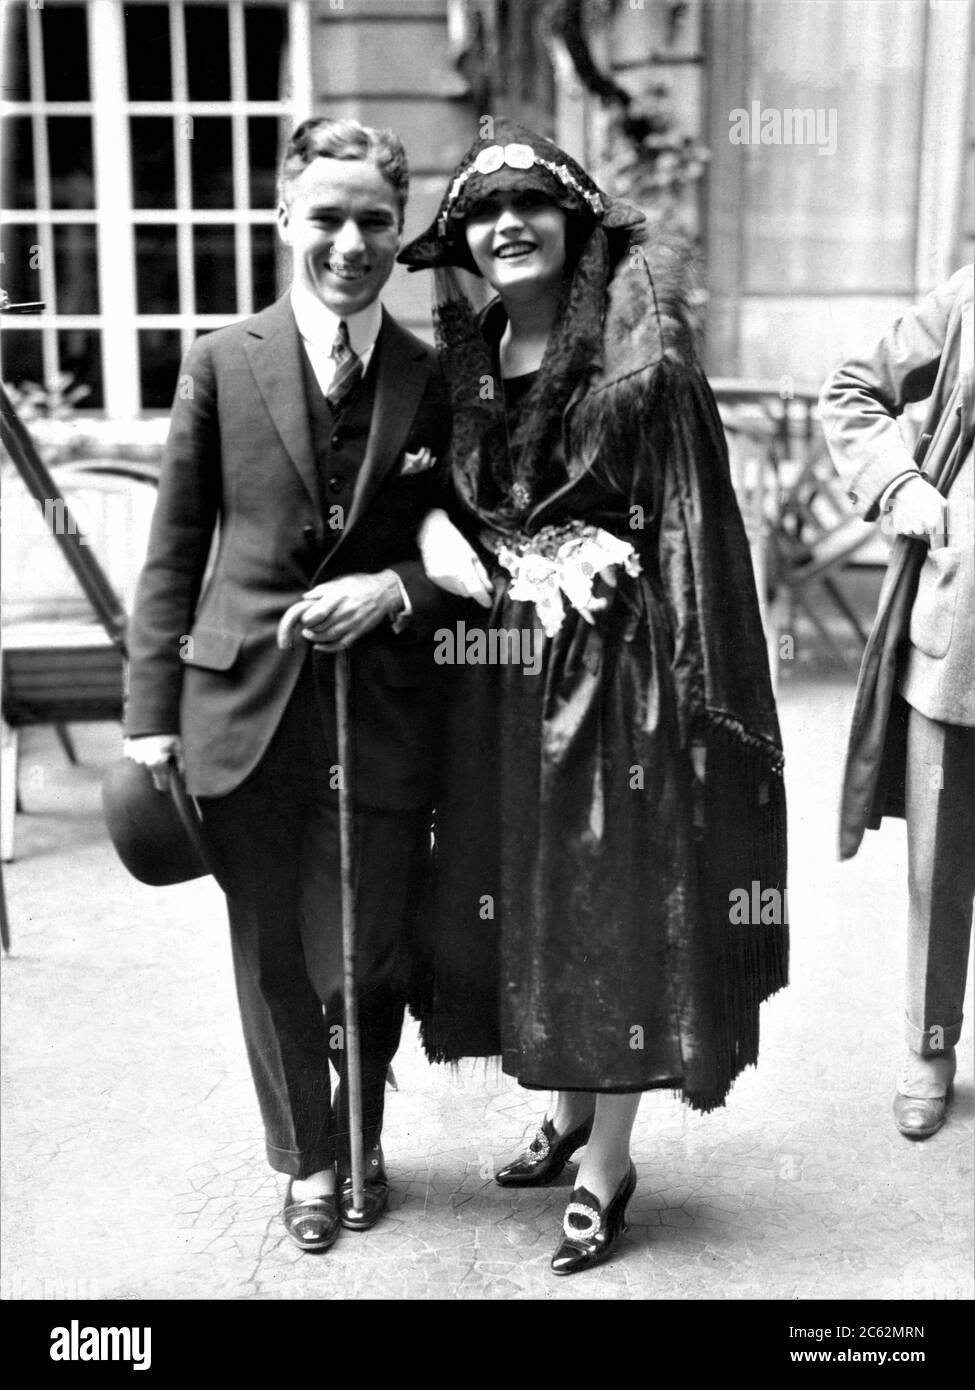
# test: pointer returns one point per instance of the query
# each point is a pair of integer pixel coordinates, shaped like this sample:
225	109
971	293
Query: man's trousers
277	839
941	879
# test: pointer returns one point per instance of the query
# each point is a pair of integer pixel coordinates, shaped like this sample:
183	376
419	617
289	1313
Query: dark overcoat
928	354
581	925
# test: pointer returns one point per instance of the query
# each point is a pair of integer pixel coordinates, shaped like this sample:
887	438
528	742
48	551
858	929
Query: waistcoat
338	440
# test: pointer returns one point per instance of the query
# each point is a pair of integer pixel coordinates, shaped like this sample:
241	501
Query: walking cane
353	1065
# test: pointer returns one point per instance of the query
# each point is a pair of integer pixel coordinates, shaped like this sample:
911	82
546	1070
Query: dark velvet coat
580	920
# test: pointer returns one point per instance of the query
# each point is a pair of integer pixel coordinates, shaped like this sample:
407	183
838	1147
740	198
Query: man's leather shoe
374	1197
311	1222
918	1117
921	1103
545	1157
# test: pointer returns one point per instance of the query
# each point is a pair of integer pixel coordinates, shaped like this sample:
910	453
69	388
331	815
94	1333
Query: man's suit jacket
238	535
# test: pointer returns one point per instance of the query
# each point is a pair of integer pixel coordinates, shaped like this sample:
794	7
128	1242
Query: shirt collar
318	324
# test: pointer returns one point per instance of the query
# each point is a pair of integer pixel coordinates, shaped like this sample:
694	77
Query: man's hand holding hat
157	752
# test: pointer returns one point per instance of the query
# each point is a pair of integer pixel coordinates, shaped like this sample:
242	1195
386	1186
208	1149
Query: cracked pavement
128	1111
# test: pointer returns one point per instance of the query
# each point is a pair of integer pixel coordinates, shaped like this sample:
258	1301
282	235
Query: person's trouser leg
273	834
280	1010
941	879
392	850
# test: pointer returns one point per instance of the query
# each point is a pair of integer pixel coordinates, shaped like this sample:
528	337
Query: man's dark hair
344	138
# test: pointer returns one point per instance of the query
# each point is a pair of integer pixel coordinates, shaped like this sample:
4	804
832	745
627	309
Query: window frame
114	217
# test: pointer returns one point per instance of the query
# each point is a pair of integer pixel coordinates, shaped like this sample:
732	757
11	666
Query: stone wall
389	64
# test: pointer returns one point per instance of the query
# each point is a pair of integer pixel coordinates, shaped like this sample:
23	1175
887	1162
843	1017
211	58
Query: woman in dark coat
612	786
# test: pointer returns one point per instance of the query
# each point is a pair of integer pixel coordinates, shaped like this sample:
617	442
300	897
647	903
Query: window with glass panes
140	145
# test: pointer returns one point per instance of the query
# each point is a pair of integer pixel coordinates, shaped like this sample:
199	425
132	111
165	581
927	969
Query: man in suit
300	454
925	638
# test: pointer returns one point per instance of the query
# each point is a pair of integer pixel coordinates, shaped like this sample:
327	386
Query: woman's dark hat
158	835
512	158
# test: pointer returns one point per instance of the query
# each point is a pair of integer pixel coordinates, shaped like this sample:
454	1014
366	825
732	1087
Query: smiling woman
591	821
517	241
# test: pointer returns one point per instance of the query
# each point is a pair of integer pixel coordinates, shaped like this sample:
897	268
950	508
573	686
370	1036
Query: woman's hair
344	138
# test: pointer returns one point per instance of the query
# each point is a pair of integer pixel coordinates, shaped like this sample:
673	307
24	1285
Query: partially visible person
912	744
303	439
598	806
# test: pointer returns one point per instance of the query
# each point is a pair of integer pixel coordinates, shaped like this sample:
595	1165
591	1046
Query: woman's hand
450	560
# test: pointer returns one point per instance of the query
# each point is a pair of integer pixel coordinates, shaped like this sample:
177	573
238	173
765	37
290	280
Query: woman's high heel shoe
589	1233
545	1156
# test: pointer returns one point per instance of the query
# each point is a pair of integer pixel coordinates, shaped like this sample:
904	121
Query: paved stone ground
133	1165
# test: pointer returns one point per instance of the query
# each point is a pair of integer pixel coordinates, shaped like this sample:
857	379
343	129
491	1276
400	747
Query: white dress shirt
318	325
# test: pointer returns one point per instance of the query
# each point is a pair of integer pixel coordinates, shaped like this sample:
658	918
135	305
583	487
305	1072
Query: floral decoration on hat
512	157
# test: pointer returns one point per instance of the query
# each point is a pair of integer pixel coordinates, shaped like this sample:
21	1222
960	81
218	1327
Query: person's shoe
544	1158
375	1194
311	1222
923	1095
589	1233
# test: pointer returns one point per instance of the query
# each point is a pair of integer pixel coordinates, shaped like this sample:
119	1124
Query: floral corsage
563	560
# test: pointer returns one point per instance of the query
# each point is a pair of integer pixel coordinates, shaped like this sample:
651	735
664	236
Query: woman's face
517	241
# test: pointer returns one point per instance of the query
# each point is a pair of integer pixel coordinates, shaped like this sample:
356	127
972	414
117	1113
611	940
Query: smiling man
303	439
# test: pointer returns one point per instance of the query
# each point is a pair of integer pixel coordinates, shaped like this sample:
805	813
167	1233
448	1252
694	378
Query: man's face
342	222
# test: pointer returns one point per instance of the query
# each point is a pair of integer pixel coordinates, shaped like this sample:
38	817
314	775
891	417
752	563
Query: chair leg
67	743
8	791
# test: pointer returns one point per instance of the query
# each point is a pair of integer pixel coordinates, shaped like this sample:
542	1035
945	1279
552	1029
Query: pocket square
417	463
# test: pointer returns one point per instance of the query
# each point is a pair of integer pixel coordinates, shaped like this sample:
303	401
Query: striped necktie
348	368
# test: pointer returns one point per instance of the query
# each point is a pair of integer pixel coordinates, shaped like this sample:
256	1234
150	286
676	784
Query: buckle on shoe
592	1218
538	1150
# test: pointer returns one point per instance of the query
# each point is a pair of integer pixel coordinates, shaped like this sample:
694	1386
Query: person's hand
602	595
916	509
333	615
156	752
450	560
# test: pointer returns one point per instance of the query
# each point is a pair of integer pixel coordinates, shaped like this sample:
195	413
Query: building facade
140	143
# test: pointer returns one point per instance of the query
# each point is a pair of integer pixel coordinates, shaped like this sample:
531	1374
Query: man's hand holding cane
333	615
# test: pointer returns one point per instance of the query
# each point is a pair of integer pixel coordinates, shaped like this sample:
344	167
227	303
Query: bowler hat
158	835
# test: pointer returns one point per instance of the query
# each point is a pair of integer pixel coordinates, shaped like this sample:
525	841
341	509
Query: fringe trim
464	1069
744	842
729	727
445	1042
